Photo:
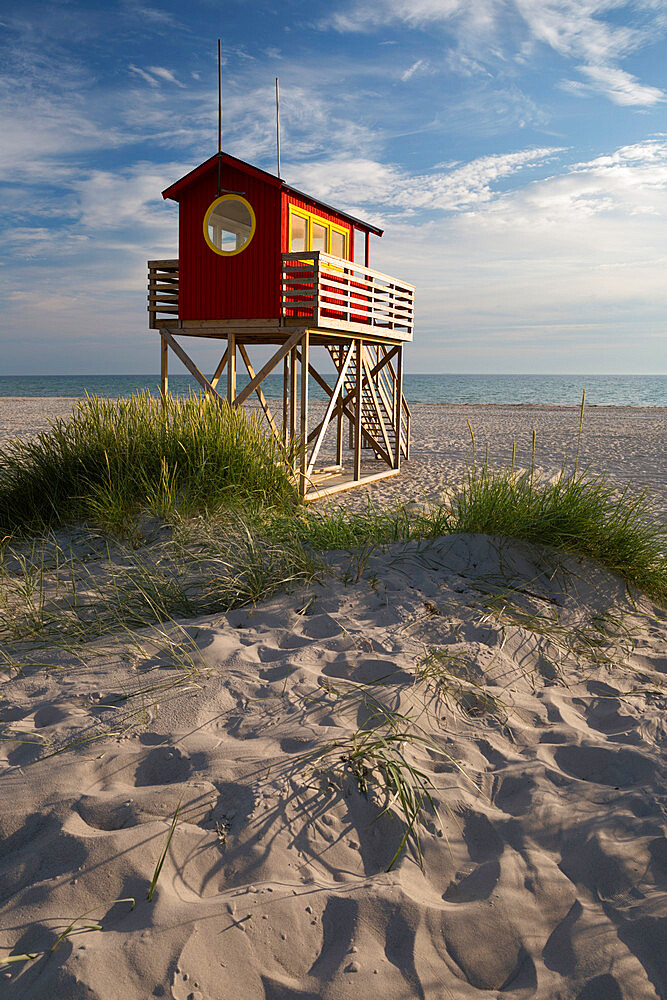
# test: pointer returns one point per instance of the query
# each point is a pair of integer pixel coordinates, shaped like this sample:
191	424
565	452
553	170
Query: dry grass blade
163	856
452	679
74	927
376	758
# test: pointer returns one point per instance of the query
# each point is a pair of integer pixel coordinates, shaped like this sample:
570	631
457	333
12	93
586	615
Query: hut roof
175	190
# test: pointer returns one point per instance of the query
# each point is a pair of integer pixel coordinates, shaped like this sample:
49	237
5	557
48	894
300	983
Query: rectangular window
319	237
309	232
298	234
337	243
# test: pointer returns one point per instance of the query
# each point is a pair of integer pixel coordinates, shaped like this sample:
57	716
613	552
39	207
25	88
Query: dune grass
582	513
113	460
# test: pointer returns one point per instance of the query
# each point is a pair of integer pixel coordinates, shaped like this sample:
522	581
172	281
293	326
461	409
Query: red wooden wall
246	286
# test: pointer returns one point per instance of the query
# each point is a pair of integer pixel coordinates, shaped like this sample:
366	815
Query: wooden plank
239	326
163	265
339	433
190	365
349	484
292	397
260	395
269	366
357	415
231	369
340	381
304	416
219	370
285	397
367	329
164	370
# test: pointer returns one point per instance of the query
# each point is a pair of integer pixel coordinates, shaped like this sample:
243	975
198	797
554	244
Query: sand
534	684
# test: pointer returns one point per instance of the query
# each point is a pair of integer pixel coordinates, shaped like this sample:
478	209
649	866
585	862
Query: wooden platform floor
331	483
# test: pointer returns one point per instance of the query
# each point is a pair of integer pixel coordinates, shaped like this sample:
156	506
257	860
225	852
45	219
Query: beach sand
526	686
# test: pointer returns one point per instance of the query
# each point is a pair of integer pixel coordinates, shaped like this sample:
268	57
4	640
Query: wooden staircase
384	411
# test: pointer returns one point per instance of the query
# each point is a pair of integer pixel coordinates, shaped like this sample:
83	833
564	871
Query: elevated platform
362	317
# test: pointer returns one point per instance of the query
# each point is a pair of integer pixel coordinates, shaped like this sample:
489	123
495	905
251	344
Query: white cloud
621	87
486	33
393	191
156	74
564	266
363	16
419	66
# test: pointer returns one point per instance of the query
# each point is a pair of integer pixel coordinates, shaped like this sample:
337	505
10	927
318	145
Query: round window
229	225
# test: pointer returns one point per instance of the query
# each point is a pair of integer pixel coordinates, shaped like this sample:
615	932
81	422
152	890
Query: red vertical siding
246	286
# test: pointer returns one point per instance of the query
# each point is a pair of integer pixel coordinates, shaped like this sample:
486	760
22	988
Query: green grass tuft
580	513
113	461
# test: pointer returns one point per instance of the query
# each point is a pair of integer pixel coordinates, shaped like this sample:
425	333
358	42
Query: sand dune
535	684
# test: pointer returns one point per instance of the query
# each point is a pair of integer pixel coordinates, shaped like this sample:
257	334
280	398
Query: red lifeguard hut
261	263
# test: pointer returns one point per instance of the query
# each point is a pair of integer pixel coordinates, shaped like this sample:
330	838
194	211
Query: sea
565	390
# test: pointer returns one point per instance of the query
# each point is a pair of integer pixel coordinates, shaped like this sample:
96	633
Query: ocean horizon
564	390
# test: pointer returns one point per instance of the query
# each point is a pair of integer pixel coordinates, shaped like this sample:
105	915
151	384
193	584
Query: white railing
331	292
162	289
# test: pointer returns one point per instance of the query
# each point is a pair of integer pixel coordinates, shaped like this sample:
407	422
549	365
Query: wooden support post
398	407
357	415
285	428
231	368
164	370
220	369
303	447
292	396
339	431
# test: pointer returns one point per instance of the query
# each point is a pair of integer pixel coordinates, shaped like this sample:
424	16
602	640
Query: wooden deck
323	293
328	484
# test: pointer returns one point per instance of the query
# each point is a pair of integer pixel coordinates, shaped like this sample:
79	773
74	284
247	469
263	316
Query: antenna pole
278	124
219	119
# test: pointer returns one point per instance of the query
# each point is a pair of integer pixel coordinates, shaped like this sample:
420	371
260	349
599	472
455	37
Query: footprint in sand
479	884
620	768
483	841
163	766
514	794
366	670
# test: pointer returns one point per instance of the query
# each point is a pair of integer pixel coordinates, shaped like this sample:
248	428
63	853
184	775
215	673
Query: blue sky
514	151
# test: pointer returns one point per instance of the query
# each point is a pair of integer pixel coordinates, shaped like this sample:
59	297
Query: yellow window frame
253	224
309	218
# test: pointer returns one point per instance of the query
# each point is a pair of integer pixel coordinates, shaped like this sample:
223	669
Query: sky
514	152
